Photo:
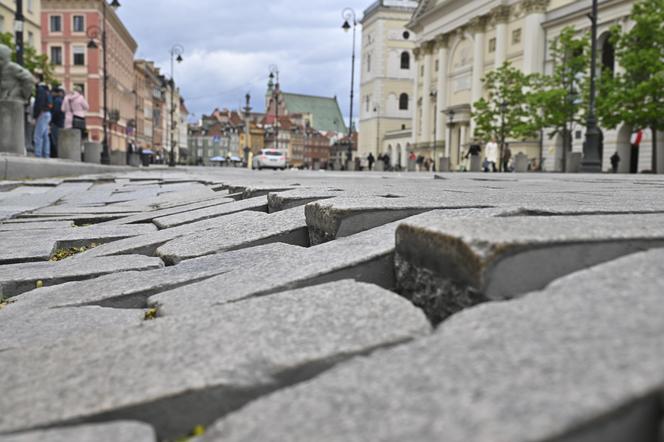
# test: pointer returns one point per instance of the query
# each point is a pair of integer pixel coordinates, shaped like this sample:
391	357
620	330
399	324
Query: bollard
69	144
92	152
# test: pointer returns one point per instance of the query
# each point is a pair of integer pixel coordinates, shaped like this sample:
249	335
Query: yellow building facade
32	24
386	78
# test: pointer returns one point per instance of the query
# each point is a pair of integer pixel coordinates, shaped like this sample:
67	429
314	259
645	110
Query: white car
270	159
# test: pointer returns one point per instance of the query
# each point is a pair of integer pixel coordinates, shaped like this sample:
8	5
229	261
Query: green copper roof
325	112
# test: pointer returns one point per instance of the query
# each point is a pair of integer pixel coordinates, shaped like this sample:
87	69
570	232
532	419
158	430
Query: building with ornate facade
459	41
386	78
65	41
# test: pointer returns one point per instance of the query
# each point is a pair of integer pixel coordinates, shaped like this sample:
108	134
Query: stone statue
16	82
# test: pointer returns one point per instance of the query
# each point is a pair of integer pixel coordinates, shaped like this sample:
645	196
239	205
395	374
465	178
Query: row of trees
519	106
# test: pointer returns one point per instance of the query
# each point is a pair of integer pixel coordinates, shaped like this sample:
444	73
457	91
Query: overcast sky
229	45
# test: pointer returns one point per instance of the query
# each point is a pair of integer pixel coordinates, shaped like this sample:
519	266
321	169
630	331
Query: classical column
501	16
533	35
441	86
477	27
426	91
448	141
462	139
416	89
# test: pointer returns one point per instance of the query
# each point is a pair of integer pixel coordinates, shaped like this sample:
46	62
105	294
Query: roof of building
404	5
325	112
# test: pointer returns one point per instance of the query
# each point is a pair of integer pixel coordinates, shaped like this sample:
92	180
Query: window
2	23
403	102
367	103
369	63
56	23
437	65
421	71
492	45
78	23
80	85
405	60
30	6
56	55
516	36
31	39
79	55
406	35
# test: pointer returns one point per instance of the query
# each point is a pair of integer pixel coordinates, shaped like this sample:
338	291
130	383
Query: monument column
477	27
441	84
533	35
426	92
416	86
501	16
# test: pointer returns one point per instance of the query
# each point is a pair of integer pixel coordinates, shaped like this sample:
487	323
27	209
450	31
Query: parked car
270	159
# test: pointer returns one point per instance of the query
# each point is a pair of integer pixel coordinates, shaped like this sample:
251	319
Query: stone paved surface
295	306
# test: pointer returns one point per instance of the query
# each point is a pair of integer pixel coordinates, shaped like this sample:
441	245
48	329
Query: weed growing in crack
61	254
150	314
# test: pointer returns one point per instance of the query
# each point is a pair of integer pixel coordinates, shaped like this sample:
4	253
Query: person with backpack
75	106
58	119
42	114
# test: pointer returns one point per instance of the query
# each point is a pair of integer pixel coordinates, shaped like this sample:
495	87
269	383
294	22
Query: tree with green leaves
635	94
34	62
560	99
505	113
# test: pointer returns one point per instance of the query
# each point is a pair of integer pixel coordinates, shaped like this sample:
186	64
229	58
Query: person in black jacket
57	120
42	114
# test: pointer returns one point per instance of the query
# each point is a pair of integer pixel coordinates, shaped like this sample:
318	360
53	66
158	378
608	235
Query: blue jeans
42	142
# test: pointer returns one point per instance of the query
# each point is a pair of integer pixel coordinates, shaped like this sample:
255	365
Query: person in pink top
75	106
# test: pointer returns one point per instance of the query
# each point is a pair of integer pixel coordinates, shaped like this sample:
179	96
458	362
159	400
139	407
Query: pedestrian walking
491	154
371	160
615	161
57	119
507	156
42	115
419	163
386	161
75	107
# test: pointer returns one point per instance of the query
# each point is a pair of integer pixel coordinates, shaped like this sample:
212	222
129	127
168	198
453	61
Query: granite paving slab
292	337
39	245
258	204
445	265
582	360
18	278
45	225
120	431
131	289
343	216
294	198
241	230
44	327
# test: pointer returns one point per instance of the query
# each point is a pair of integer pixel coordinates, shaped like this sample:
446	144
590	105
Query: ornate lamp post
95	33
176	55
592	146
274	74
19	22
350	20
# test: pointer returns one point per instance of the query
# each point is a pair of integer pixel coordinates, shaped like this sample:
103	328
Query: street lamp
176	55
19	21
94	33
274	74
592	146
350	20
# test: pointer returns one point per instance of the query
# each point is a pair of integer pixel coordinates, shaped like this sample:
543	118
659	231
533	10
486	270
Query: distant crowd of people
50	111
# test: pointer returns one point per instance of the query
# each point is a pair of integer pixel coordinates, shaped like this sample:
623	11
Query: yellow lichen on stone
39	284
64	253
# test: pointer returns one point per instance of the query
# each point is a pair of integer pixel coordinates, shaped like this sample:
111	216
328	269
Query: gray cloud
230	44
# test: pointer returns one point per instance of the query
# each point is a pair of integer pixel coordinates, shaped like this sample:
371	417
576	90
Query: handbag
78	123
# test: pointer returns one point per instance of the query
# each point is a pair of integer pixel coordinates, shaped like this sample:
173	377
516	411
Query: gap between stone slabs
445	265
